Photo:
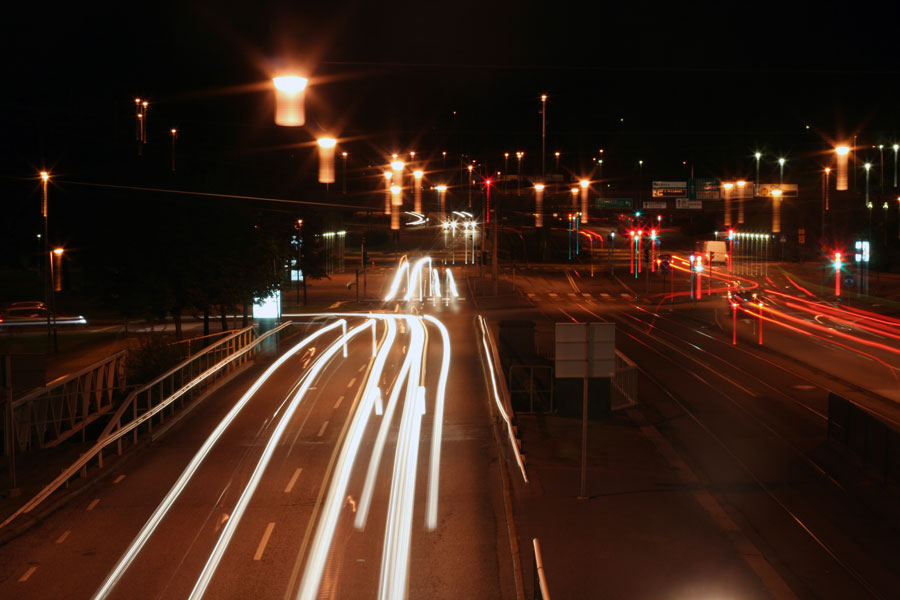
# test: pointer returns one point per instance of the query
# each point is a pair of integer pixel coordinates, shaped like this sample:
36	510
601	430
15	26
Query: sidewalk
648	529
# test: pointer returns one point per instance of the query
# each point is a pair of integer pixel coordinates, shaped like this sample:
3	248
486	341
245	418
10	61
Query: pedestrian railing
48	415
624	383
151	401
539	590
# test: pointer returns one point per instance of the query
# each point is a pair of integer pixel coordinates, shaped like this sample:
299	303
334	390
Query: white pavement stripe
572	295
624	295
63	537
322	428
27	574
361	367
118	479
293	480
604	294
586	294
93	503
352	381
552	295
339	400
265	540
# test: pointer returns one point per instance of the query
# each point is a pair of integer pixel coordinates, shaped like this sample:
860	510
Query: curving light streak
237	513
365	498
416	277
398	278
435	283
498	402
420	218
451	284
437	430
398	528
331	509
149	527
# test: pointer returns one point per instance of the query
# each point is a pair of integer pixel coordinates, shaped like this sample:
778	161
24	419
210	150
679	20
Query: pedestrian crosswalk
604	297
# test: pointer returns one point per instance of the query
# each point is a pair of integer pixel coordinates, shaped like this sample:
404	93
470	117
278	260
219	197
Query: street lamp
174	133
326	160
519	156
758	155
289	94
470	167
417	191
741	185
539	205
776	211
780	171
881	167
543	134
896	147
585	184
825	206
387	192
867	167
45	178
641	181
843	158
441	189
574	191
343	172
396	203
726	197
556	154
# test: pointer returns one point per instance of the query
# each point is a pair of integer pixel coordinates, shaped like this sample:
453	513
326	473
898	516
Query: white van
717	251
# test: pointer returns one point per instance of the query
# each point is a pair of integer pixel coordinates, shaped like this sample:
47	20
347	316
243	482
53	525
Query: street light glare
290	83
842	150
741	183
398	165
539	187
867	166
388	174
418	174
395	189
58	251
326	142
441	188
758	155
45	175
780	161
584	183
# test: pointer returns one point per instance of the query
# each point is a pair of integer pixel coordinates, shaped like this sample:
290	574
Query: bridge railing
150	402
48	415
624	392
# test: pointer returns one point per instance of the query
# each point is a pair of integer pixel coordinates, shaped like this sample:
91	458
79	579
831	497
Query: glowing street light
758	155
174	133
543	135
726	197
387	192
556	154
441	190
843	158
519	156
776	211
585	184
289	95
326	159
417	191
867	167
896	147
741	184
539	205
780	170
837	274
396	203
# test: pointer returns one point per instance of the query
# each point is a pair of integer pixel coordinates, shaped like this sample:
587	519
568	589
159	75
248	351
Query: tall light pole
289	95
585	184
825	206
470	167
881	168
174	133
387	192
519	156
843	158
641	182
326	160
441	189
868	166
343	173
741	194
556	154
539	205
780	171
896	147
758	155
776	211
417	191
51	332
543	135
726	197
505	167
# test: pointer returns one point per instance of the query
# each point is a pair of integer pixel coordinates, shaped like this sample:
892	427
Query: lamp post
758	155
896	147
825	206
641	182
881	168
519	156
326	160
780	171
727	187
441	189
470	167
585	184
867	167
543	135
776	211
505	165
843	158
539	205
174	133
417	191
289	94
556	154
51	331
344	175
387	192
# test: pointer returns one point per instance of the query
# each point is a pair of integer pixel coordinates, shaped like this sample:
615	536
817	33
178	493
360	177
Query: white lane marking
93	503
572	295
293	480
339	400
322	428
352	381
552	295
265	540
604	294
63	537
532	295
27	574
361	367
118	479
624	295
586	294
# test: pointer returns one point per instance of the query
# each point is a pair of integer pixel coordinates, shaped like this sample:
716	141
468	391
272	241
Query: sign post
585	350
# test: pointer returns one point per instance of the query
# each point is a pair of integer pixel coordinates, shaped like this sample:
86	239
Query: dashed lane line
93	503
352	381
265	540
63	537
338	403
27	574
290	485
118	479
322	428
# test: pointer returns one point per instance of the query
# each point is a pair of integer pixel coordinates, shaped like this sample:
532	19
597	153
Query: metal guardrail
494	370
539	590
623	392
150	400
51	414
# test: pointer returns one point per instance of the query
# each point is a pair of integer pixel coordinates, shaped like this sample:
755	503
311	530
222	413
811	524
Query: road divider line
63	537
265	540
93	503
293	480
118	479
352	381
339	400
322	429
27	574
361	367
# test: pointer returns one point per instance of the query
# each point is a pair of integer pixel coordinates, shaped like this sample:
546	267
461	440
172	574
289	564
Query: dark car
24	316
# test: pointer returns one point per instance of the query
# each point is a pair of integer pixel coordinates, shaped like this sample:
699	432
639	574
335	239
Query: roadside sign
788	190
689	204
654	204
585	349
617	203
704	189
849	280
669	189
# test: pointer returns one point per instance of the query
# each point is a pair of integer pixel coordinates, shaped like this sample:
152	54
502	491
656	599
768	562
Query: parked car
23	316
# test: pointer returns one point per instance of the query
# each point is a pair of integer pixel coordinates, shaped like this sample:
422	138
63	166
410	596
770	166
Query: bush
152	355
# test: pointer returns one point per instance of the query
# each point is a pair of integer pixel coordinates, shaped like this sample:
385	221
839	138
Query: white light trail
237	513
147	530
435	283
437	431
321	544
395	284
416	277
451	284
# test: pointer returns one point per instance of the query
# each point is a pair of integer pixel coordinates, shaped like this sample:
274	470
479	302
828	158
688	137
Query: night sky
707	84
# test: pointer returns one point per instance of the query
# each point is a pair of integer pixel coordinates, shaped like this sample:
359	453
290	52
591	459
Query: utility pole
543	136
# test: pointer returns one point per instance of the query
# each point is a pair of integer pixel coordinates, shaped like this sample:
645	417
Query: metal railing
525	388
623	392
539	590
51	414
194	375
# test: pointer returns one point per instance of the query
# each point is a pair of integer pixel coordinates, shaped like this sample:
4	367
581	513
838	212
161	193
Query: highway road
751	422
365	476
